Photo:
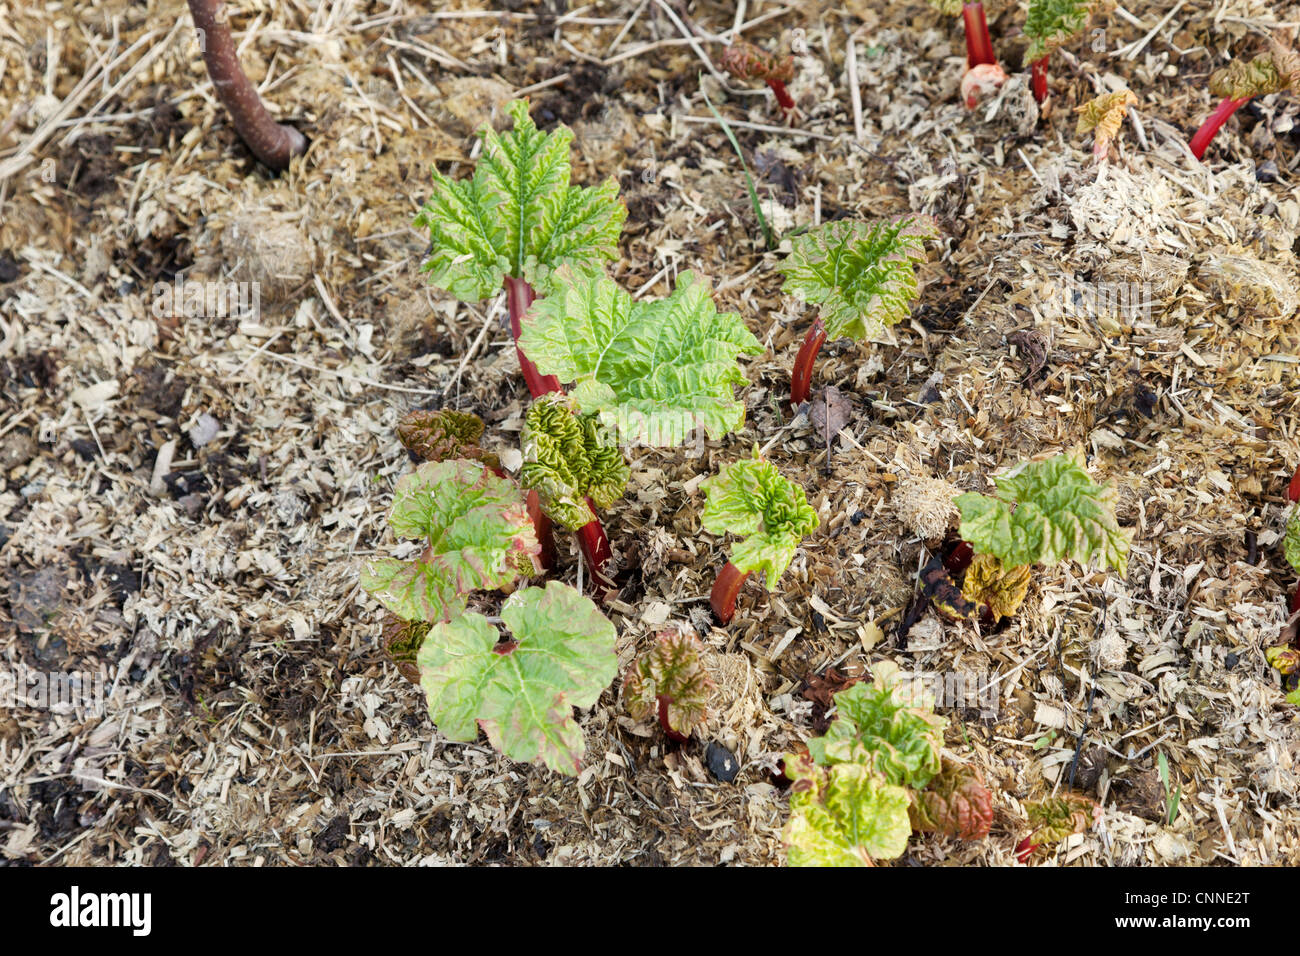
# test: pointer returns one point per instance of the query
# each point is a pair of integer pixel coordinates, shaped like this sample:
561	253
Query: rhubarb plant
860	275
979	46
670	683
1240	82
476	534
1050	24
651	371
521	689
876	775
1104	116
445	434
752	500
515	222
569	459
1054	819
746	61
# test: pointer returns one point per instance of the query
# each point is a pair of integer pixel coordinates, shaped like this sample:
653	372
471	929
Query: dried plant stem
272	143
725	590
979	46
801	375
1213	123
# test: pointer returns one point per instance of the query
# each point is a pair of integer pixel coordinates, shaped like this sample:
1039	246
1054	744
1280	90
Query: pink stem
979	46
271	142
1212	125
519	296
782	94
664	700
1039	74
594	545
542	525
801	374
725	590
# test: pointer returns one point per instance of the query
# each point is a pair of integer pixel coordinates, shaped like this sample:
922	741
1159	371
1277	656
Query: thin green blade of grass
768	239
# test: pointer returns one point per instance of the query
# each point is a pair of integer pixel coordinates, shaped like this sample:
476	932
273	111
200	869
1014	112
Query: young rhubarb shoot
574	468
1239	83
1056	818
521	691
652	371
402	641
862	277
445	434
1051	24
746	61
750	498
1104	117
669	682
1045	512
477	536
989	584
516	220
877	774
979	46
272	143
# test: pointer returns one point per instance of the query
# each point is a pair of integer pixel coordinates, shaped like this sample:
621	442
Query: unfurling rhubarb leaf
1291	540
1285	659
1104	117
955	803
517	215
477	535
669	682
402	641
1058	514
750	498
568	458
651	371
991	583
746	61
843	815
522	692
1050	24
874	724
862	275
1271	72
444	434
1056	818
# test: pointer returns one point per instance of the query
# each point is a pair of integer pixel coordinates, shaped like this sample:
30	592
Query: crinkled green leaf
1056	818
1051	23
568	458
750	498
521	692
861	274
1291	540
844	815
651	370
875	724
1059	513
477	534
445	433
517	215
671	669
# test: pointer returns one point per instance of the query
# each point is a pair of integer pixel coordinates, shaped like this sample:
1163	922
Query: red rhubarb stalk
272	143
979	45
1212	125
596	552
723	596
1025	848
801	376
1038	72
542	525
782	94
664	700
1293	489
519	296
